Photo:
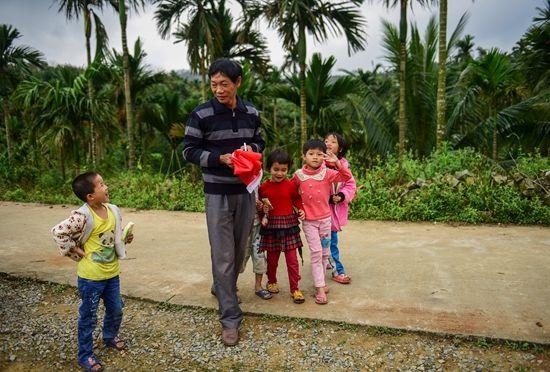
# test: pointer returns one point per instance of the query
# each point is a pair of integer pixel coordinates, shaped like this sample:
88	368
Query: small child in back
314	181
92	235
259	260
280	230
341	195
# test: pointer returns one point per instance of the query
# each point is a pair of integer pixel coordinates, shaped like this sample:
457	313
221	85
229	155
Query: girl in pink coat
314	182
342	194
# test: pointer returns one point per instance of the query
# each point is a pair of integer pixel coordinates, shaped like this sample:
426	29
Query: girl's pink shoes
321	299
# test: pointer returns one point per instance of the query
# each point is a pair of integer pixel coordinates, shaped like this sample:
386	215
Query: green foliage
449	186
482	342
59	288
532	165
138	190
146	191
428	190
381	331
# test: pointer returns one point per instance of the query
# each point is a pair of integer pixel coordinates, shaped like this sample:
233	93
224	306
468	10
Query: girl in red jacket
280	231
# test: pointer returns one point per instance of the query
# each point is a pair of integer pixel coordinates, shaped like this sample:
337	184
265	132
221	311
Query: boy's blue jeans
91	291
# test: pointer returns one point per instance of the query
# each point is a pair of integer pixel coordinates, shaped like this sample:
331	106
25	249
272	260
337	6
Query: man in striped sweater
214	130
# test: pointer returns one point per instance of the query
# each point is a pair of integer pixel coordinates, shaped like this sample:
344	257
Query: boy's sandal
264	294
116	343
320	299
91	365
341	278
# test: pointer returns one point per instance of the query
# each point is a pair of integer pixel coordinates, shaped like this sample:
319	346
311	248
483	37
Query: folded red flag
247	165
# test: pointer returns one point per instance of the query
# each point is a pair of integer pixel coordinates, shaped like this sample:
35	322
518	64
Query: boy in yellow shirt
92	235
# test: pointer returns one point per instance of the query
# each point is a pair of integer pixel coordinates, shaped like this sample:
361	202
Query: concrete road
487	281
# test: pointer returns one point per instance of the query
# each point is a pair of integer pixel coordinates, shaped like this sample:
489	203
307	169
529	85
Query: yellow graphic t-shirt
100	261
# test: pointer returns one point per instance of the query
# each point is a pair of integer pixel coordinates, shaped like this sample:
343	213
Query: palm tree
85	8
423	104
15	63
59	109
501	102
242	42
377	91
295	19
142	81
331	100
420	80
403	5
166	111
488	84
120	7
442	74
465	47
202	32
208	34
533	53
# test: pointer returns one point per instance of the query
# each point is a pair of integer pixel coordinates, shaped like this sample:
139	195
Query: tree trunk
402	79
495	135
91	95
274	114
302	55
303	111
203	72
442	75
127	89
203	84
7	119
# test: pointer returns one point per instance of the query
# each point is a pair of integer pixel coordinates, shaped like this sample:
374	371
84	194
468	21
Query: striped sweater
213	130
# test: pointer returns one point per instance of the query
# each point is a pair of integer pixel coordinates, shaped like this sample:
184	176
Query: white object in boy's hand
127	231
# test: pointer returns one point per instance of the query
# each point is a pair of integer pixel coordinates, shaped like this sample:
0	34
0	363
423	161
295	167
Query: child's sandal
91	365
115	343
264	294
320	299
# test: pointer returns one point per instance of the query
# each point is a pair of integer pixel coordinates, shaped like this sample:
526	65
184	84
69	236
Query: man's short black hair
83	184
226	67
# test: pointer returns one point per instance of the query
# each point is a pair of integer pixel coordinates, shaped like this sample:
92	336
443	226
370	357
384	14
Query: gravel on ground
38	333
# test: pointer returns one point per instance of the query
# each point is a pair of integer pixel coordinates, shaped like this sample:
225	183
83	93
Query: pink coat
315	188
339	212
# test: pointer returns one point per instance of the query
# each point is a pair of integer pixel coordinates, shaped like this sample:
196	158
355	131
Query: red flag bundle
247	165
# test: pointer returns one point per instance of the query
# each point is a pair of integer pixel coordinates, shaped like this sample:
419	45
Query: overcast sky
493	23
